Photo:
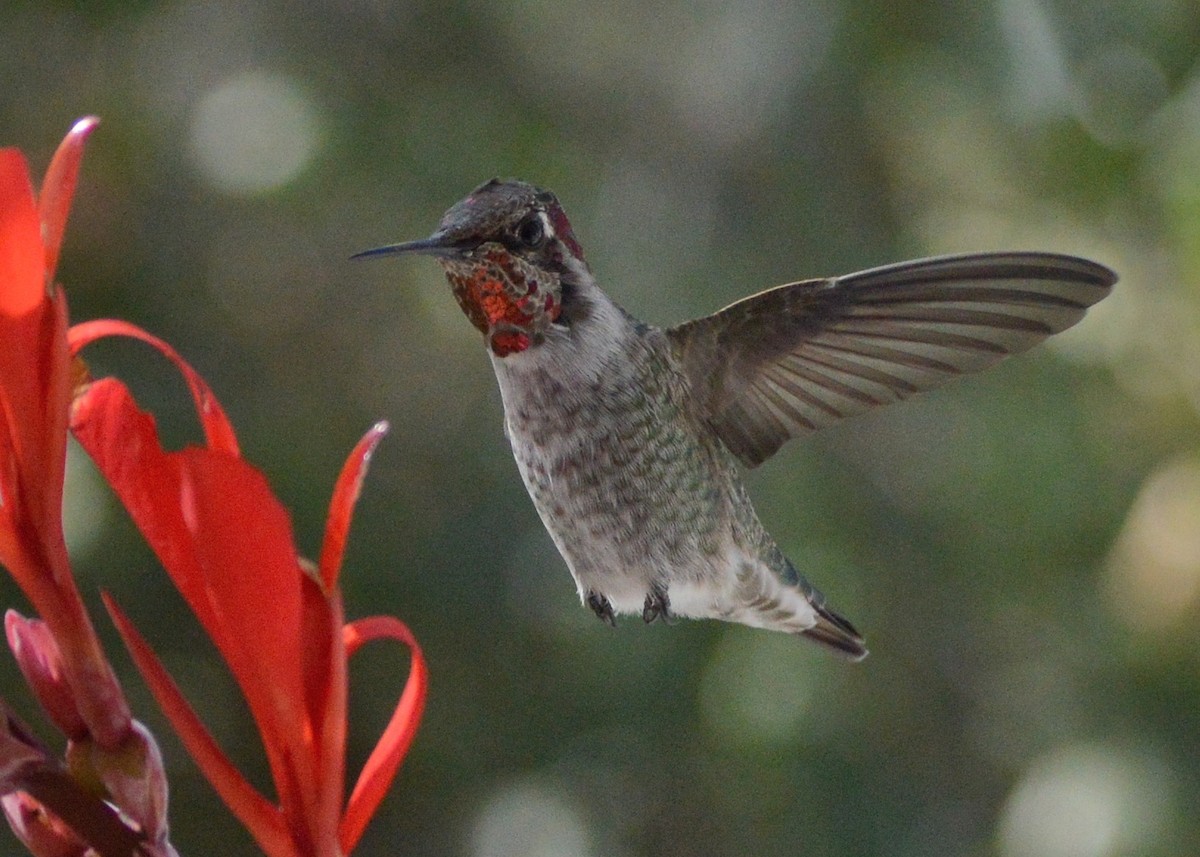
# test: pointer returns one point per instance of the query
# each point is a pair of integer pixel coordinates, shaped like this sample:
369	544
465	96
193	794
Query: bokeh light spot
1085	801
1038	79
529	819
253	133
1154	571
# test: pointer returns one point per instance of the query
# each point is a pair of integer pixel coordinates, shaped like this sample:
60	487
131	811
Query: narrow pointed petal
34	398
383	763
58	188
325	693
341	506
218	431
33	361
56	404
255	812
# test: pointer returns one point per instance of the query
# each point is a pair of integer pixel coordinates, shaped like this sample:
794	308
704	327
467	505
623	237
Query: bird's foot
602	607
657	604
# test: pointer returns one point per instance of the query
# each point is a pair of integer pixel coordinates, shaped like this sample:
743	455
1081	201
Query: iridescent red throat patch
503	297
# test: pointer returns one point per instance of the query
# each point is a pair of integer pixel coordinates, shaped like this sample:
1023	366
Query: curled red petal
218	431
58	188
383	763
255	812
341	505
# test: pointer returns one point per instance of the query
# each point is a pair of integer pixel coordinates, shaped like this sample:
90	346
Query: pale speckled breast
618	469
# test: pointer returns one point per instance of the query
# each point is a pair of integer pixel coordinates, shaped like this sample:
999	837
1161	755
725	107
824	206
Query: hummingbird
629	437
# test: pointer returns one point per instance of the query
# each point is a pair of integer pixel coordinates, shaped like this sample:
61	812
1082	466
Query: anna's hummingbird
627	435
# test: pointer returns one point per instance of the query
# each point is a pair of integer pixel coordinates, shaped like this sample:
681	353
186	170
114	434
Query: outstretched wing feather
801	356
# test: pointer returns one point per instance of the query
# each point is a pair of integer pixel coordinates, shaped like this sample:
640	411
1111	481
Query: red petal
242	536
226	543
56	403
325	693
32	436
34	395
22	259
58	187
35	390
123	441
33	363
383	763
255	812
218	432
341	506
32	446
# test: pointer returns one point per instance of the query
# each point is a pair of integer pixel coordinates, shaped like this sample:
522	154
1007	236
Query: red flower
35	394
277	621
227	544
58	654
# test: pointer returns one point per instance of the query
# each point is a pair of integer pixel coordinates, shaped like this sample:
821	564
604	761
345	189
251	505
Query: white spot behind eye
546	225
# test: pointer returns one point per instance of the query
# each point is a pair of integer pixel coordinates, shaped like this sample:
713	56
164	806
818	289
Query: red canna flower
227	544
35	395
277	620
109	755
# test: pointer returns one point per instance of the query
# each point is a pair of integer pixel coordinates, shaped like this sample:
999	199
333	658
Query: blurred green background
1022	549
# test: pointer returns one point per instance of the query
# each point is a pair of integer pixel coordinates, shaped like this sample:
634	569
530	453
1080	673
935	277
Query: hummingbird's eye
531	232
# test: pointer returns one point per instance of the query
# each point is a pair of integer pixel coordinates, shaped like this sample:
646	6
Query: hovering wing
798	357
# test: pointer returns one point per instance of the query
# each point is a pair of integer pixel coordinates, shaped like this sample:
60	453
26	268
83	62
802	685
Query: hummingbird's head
511	259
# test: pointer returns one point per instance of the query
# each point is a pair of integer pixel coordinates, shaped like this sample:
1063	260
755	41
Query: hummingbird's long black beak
437	244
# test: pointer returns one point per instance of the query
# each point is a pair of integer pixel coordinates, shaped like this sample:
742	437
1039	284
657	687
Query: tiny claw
657	604
602	607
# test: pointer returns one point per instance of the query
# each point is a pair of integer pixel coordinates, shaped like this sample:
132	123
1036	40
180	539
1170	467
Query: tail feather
834	631
785	601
